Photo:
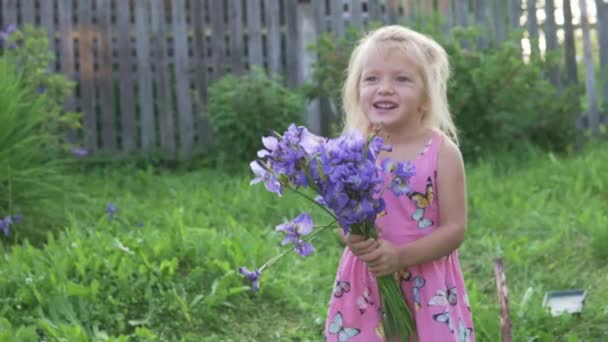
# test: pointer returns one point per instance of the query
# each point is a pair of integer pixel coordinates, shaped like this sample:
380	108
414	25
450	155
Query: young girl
397	78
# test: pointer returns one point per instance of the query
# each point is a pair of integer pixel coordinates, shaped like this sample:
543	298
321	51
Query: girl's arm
451	185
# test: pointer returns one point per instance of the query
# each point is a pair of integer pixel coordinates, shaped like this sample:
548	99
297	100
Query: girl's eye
369	78
402	79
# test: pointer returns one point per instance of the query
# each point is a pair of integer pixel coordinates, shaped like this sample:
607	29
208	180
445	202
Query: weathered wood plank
66	53
47	15
373	10
356	13
292	38
445	10
254	33
593	111
462	12
200	64
28	16
182	77
481	19
104	78
499	21
162	77
602	15
218	51
145	91
273	36
551	39
570	48
86	75
337	17
533	28
125	65
514	14
235	12
9	13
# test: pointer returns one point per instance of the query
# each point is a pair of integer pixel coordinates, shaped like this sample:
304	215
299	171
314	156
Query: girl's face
391	90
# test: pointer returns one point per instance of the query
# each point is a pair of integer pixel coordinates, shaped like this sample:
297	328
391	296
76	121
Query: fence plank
163	80
292	42
182	76
235	12
105	80
47	16
533	28
127	106
66	52
217	39
593	111
9	13
28	16
481	19
462	12
86	74
318	10
273	36
200	65
551	39
145	92
602	16
373	10
514	14
445	9
254	32
570	49
337	17
356	13
499	20
392	11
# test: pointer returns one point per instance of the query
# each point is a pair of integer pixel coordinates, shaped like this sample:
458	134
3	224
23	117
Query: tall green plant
27	48
31	183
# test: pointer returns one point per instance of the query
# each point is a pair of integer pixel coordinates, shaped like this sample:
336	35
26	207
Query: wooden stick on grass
503	299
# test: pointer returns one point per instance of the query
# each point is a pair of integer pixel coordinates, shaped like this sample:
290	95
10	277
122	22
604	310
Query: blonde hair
432	61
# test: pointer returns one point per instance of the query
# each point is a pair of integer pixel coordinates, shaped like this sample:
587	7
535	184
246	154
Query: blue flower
7	221
294	230
111	209
270	181
79	152
253	276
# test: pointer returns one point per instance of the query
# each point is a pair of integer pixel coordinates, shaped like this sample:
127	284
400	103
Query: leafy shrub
243	108
498	101
28	50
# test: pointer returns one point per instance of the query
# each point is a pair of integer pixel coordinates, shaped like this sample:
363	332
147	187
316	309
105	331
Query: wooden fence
143	66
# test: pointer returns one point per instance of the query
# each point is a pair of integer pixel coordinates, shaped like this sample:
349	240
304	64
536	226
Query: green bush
244	108
499	102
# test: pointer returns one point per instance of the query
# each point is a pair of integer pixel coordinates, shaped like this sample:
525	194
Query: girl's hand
358	245
382	260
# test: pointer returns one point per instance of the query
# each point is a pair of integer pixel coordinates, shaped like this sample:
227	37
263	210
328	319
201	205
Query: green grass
164	269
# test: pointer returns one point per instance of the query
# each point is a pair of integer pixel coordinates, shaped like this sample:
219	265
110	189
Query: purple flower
270	181
111	209
298	227
40	90
79	152
7	221
402	172
253	276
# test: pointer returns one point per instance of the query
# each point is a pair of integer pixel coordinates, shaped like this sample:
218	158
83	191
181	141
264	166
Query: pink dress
435	291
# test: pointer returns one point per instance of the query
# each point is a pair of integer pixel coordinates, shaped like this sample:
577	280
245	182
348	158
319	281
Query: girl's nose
385	88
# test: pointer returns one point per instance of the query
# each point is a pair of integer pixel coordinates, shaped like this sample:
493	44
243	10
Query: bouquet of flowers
348	183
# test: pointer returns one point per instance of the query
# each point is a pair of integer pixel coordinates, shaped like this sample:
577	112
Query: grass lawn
163	267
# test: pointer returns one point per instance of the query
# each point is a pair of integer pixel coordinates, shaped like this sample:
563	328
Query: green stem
313	201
